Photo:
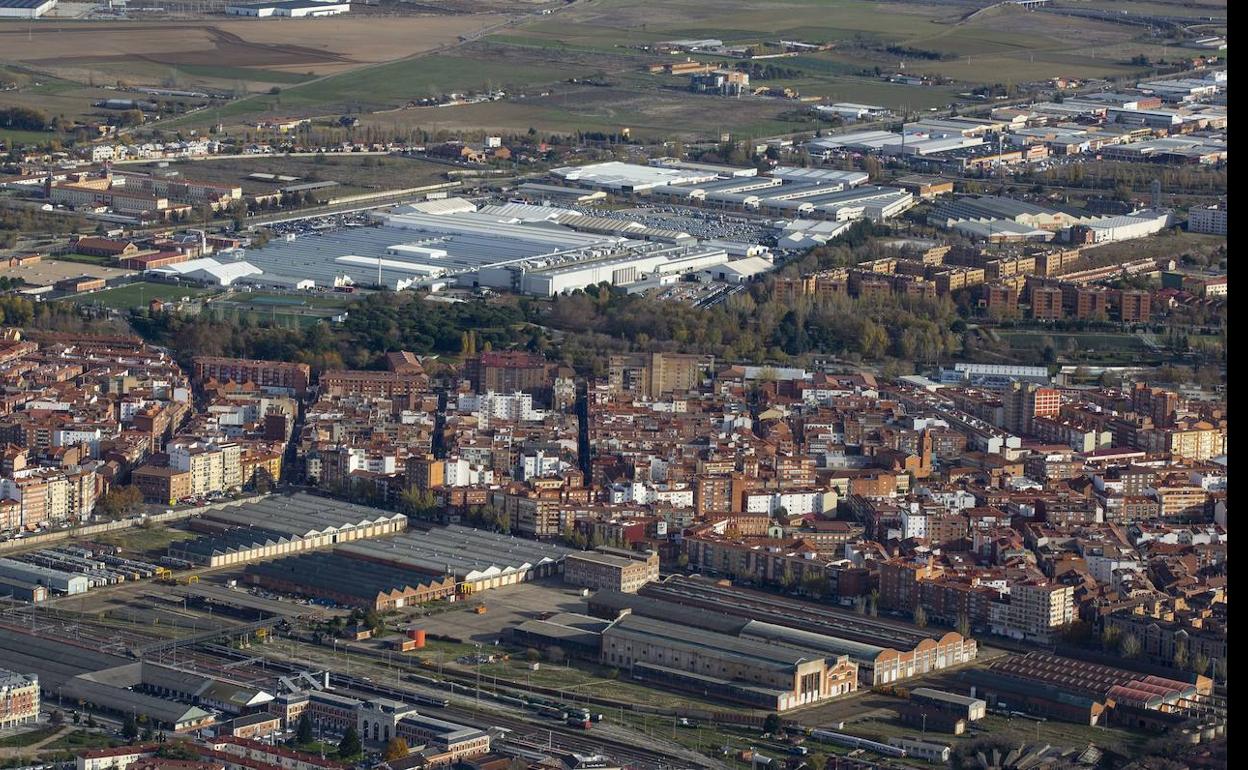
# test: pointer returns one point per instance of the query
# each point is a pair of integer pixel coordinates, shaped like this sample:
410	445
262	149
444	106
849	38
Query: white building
295	9
1210	220
25	9
208	271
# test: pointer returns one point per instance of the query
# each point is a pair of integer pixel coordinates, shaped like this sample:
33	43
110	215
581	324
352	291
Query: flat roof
47	271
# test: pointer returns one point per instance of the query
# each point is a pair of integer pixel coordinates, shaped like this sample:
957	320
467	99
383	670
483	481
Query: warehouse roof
340	574
301	515
863	654
93	688
947	697
55	661
631	176
751	652
466	553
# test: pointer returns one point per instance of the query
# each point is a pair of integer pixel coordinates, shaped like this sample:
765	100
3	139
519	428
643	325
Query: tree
1180	654
772	723
303	733
920	616
395	749
1129	647
963	625
350	745
532	655
1200	664
130	728
1110	637
120	502
57	719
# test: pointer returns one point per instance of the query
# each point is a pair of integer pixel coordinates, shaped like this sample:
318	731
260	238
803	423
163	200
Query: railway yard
469	671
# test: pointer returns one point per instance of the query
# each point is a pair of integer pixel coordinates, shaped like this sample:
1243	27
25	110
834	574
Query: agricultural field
221	52
377	64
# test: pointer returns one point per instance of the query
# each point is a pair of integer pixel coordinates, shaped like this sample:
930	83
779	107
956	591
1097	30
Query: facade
19	699
294	379
213	467
1210	220
656	375
611	568
1034	612
162	484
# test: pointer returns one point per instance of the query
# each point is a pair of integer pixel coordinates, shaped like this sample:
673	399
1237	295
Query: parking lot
504	607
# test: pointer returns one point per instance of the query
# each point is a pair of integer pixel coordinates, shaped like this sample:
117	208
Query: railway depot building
281	526
350	582
884	652
744	670
611	568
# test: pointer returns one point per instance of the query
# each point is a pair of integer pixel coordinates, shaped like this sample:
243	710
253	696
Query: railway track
528	735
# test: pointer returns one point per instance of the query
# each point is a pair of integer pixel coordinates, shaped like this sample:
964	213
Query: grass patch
27	739
140	294
145	540
86	259
82	739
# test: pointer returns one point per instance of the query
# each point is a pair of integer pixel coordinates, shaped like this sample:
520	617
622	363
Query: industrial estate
599	384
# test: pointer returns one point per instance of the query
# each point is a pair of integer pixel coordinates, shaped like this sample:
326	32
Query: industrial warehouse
1079	691
280	526
478	560
349	582
784	192
538	250
701	657
884	652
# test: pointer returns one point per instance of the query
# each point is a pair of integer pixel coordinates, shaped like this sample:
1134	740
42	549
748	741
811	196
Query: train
431	700
854	742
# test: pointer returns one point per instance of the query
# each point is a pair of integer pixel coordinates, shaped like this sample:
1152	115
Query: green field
137	295
85	259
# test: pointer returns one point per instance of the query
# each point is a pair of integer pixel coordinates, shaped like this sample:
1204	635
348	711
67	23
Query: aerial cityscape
613	384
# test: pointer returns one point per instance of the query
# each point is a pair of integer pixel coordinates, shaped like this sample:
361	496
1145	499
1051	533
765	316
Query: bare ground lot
220	51
352	172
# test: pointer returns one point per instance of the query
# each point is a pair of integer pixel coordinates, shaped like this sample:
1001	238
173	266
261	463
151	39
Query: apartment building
1034	611
213	466
291	378
19	699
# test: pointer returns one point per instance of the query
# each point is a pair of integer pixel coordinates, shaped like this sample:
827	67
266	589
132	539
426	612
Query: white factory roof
820	175
631	176
870	140
745	268
443	206
525	212
1000	228
209	270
